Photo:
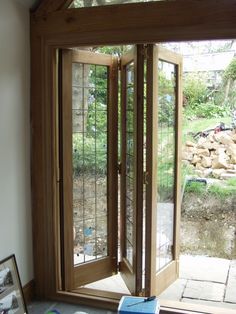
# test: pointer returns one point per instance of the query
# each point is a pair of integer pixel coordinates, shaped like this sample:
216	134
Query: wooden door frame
121	24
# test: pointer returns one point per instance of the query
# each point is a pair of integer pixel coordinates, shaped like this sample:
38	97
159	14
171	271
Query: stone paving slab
211	303
175	291
230	294
204	290
114	283
204	268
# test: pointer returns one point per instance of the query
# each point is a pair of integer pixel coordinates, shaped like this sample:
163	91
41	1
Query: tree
229	83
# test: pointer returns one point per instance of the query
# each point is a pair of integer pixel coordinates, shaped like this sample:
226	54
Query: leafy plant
166	99
230	72
195	90
227	94
206	110
89	154
198	188
200	102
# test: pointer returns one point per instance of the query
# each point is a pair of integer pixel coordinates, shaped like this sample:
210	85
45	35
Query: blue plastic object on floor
137	305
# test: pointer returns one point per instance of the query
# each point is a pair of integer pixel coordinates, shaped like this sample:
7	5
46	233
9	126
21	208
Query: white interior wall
15	206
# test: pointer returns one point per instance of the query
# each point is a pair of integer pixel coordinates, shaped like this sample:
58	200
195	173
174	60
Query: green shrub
206	110
200	102
195	90
89	154
166	99
198	188
230	72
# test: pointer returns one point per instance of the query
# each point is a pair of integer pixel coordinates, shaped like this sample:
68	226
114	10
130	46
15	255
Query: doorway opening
120	148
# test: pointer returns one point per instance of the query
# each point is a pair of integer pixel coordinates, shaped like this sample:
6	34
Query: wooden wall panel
37	164
138	23
43	165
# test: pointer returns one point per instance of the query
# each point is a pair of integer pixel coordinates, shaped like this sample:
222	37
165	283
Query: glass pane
130	165
130	143
129	161
77	74
90	160
78	117
89	75
165	162
92	3
129	252
77	98
130	97
129	121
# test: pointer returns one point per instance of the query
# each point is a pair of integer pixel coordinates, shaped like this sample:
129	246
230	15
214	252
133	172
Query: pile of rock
214	155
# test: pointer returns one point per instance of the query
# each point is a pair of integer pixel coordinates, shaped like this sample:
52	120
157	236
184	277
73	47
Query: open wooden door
131	175
164	102
88	145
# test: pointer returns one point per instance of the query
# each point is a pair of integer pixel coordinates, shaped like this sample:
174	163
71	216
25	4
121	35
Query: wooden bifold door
147	220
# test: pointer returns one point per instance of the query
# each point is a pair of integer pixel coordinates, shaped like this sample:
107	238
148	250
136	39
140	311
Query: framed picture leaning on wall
11	293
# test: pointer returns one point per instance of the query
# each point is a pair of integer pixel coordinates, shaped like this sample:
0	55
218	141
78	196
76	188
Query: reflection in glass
89	114
165	162
92	3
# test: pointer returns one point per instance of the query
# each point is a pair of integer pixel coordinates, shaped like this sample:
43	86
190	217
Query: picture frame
11	294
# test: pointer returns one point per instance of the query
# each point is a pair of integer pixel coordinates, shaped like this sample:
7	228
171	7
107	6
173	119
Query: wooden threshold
110	300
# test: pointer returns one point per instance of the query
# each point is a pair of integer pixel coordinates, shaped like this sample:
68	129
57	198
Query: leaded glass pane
129	224
90	161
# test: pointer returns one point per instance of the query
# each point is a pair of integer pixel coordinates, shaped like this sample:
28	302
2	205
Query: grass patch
231	182
221	191
197	188
198	125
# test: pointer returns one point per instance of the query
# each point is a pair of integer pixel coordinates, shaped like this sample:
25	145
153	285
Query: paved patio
204	280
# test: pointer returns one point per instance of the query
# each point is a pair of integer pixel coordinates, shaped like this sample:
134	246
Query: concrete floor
38	307
203	280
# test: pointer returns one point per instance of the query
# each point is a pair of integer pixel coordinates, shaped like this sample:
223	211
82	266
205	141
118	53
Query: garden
209	166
